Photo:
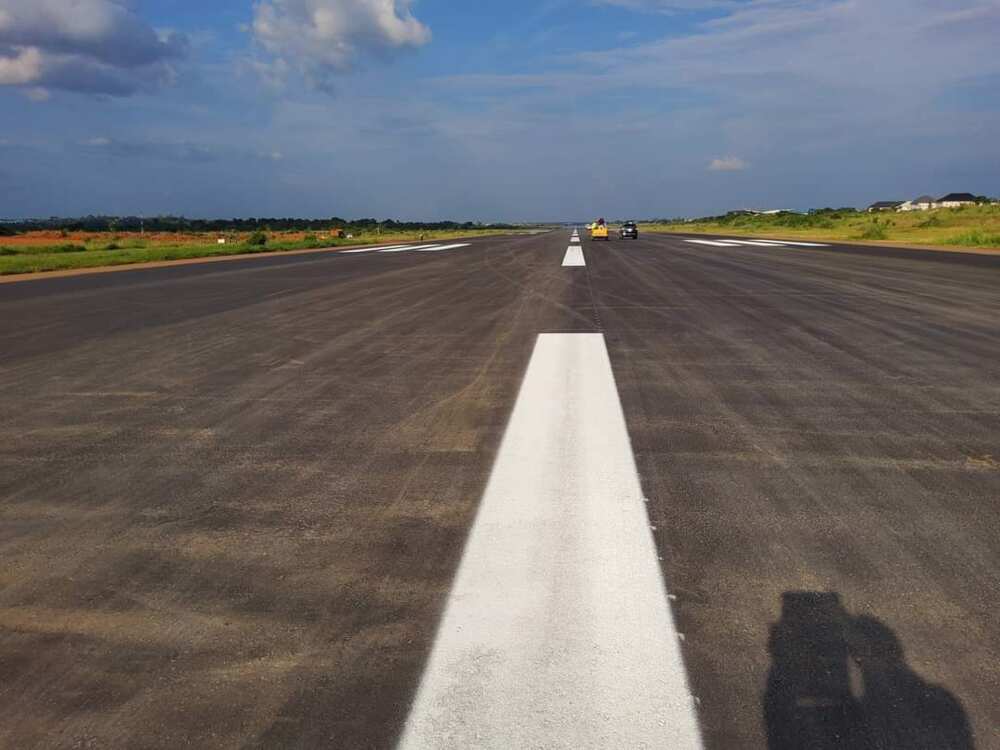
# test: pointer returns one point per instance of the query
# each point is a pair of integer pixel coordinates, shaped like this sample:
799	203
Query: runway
741	494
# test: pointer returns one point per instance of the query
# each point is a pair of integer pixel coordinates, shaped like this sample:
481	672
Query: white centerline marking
574	257
558	632
714	243
574	239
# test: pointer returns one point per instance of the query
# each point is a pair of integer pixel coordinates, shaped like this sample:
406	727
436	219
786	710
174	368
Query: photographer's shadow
839	681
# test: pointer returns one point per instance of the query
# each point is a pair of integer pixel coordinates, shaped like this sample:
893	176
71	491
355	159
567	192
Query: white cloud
794	88
773	78
728	164
95	46
321	38
23	67
767	47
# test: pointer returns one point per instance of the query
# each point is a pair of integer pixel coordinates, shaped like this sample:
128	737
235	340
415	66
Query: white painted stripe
756	243
558	632
574	257
406	248
574	239
714	243
370	249
439	248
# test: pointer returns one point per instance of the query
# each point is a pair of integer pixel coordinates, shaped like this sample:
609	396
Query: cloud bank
321	38
90	46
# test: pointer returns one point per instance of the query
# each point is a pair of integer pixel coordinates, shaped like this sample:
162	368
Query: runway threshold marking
439	248
755	243
558	632
574	257
406	248
370	249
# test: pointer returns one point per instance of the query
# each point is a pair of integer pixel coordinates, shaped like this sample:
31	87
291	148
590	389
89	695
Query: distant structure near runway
928	203
763	212
878	206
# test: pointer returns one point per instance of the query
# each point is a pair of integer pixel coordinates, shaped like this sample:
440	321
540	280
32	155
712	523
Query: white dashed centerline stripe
558	632
574	257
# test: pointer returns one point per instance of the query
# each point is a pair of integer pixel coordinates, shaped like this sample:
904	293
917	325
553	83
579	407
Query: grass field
970	227
54	251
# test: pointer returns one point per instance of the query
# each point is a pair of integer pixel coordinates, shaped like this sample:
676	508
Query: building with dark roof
957	200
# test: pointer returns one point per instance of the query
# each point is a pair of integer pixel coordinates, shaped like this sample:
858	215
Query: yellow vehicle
599	230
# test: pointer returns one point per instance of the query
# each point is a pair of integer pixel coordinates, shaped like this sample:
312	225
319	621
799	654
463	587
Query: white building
923	203
957	200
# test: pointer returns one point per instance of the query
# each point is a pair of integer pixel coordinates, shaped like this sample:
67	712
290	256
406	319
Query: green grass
47	249
975	239
21	259
875	231
972	226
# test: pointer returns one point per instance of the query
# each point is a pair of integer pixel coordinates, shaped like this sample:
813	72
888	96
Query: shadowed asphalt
233	497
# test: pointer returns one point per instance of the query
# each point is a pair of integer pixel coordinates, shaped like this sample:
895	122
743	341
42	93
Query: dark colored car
628	231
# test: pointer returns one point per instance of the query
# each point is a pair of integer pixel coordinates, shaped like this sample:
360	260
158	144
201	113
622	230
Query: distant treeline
181	224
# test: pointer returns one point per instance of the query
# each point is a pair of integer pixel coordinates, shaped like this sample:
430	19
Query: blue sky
516	110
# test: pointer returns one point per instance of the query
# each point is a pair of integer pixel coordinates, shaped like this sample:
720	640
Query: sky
492	110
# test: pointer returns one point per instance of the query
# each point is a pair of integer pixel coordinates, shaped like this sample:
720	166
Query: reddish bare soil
53	237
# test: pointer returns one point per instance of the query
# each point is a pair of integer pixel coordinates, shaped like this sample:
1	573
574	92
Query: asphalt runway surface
235	499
